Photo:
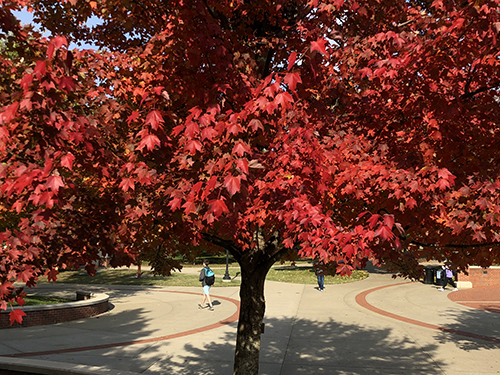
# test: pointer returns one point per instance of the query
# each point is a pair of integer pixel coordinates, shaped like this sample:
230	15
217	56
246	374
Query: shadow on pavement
314	348
478	321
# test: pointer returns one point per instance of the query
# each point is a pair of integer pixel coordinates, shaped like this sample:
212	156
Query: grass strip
286	274
42	300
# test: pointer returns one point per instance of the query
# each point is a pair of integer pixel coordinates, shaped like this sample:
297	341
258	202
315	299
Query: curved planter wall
58	313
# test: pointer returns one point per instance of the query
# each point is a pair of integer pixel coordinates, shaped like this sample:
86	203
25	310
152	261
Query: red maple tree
341	130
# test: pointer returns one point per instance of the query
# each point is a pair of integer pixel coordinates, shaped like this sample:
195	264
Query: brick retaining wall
57	313
479	277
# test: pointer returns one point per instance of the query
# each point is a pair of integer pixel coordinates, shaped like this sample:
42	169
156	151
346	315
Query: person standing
206	277
319	269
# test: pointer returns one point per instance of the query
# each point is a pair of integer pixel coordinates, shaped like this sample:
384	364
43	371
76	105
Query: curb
58	312
40	367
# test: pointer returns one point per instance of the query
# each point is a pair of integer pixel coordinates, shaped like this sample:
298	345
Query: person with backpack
207	278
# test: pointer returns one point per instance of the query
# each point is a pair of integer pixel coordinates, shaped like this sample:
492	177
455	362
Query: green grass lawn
129	277
41	300
306	275
287	274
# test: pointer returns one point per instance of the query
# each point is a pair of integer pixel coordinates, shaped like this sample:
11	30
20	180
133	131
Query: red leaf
479	236
384	232
192	128
344	269
54	183
54	45
389	221
234	129
127	184
26	81
291	79
154	118
365	72
242	164
25	275
283	99
59	41
414	186
175	204
240	148
443	184
67	160
9	113
208	133
319	45
373	220
232	184
67	84
149	141
218	207
410	203
288	242
189	207
6	288
193	146
52	274
40	69
445	173
483	203
20	301
349	250
16	316
133	117
255	125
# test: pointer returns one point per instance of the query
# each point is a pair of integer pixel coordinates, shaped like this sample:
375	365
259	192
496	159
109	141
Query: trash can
440	277
429	274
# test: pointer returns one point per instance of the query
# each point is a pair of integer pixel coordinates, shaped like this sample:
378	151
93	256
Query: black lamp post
226	275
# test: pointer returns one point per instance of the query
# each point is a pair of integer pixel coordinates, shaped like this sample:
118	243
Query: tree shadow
301	346
472	330
314	348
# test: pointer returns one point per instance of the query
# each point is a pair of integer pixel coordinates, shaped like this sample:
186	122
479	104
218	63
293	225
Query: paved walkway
376	326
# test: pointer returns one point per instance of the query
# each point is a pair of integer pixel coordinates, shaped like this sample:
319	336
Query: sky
27	18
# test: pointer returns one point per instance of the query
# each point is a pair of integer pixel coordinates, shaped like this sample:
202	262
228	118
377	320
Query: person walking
207	278
448	279
320	274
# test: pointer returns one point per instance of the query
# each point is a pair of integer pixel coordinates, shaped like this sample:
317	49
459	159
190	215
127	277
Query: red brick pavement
485	298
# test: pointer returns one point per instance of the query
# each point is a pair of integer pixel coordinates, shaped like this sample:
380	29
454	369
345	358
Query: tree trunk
254	265
253	306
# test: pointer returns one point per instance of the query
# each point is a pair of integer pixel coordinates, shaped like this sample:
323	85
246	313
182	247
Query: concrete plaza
379	325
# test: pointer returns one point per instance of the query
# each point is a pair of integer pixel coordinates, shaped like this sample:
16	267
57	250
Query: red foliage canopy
345	130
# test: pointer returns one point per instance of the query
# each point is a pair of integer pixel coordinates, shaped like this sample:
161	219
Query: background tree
340	130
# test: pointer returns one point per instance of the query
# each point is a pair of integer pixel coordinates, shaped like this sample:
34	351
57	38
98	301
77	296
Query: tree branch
478	91
455	246
225	244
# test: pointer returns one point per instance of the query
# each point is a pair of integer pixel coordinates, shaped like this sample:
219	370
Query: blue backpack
209	276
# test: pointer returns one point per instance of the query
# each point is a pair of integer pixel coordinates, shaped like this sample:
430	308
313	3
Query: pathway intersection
379	325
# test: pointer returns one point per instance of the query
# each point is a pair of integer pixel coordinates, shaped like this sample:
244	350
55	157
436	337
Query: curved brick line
233	318
361	300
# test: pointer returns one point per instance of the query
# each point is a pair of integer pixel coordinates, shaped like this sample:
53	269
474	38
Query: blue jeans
321	281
